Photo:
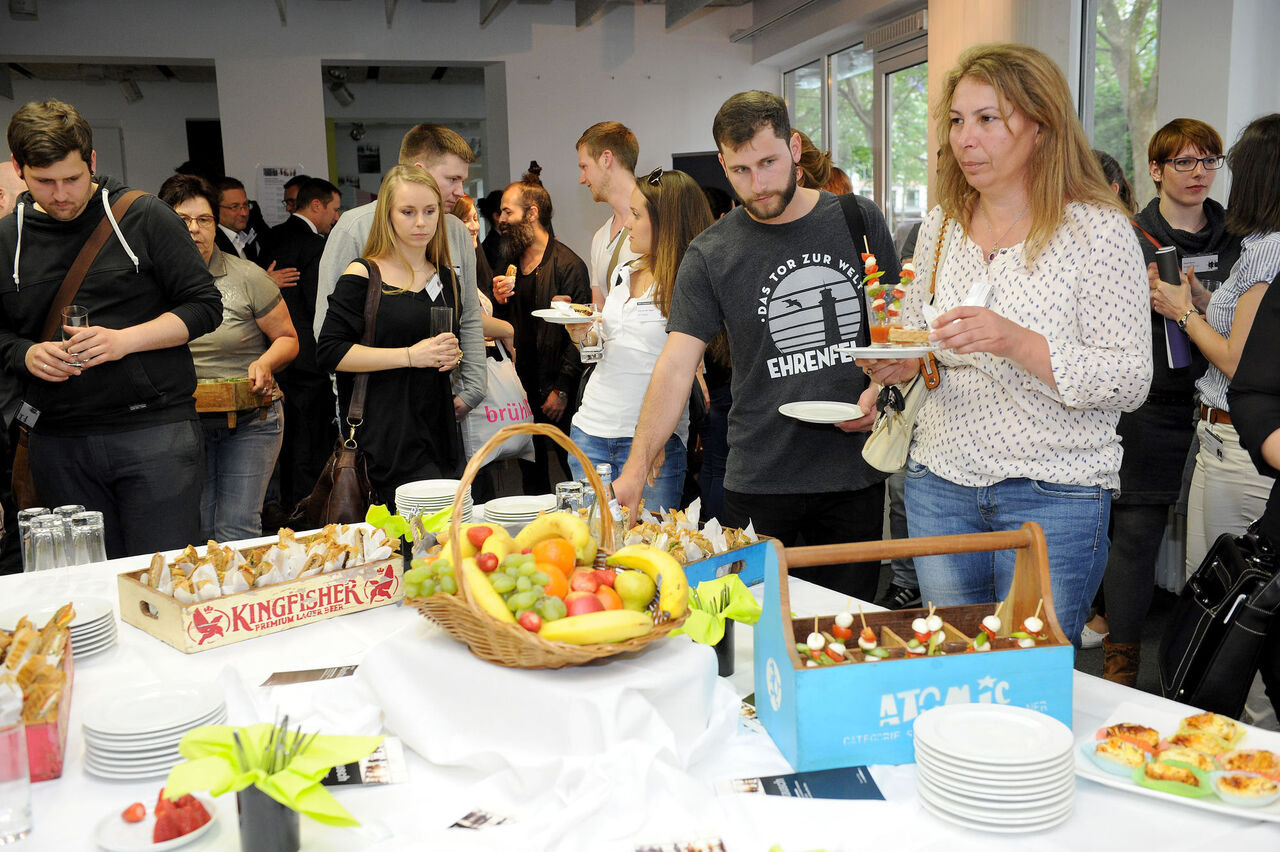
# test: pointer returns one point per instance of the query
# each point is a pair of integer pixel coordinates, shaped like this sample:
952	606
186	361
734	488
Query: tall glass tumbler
88	538
25	516
47	546
569	496
15	784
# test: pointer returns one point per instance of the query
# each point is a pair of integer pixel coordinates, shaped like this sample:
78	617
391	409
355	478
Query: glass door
902	113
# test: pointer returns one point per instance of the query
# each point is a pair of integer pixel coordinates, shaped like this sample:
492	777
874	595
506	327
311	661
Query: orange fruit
609	597
558	552
558	586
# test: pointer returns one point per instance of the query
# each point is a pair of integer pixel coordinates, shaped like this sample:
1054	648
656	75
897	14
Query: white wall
558	79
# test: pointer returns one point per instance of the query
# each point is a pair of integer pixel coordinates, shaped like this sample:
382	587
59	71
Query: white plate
88	610
115	835
1008	772
995	734
128	775
553	316
989	802
429	489
520	505
89	634
107	752
887	351
994	828
822	412
1167	723
152	739
114	765
994	781
157	707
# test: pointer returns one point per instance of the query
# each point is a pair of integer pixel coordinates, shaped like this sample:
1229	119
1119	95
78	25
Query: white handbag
504	403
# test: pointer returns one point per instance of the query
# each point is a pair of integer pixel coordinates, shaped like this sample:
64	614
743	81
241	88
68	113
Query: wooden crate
47	741
228	395
209	624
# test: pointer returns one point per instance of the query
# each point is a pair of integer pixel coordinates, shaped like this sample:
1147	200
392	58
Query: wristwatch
562	394
1182	320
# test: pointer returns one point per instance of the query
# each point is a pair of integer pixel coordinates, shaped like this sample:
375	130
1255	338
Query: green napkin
714	601
212	765
393	525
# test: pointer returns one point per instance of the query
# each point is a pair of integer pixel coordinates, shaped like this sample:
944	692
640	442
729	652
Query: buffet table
630	794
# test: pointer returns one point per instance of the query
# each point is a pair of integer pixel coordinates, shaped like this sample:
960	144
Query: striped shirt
1259	261
990	419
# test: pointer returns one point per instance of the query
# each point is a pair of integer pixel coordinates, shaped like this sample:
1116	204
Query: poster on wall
269	190
369	158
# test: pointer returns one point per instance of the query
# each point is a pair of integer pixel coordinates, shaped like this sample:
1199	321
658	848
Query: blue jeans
238	464
667	487
1074	519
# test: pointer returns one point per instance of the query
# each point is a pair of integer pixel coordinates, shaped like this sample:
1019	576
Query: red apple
477	535
581	603
583	580
487	562
530	621
604	576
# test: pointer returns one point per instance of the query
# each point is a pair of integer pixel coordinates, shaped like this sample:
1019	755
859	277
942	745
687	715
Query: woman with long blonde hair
409	430
1043	336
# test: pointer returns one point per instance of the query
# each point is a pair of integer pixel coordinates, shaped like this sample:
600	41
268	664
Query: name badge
434	287
28	415
1200	263
646	310
1214	444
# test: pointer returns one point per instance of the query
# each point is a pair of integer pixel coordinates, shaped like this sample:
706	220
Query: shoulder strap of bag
929	364
373	296
80	267
617	252
853	219
1153	240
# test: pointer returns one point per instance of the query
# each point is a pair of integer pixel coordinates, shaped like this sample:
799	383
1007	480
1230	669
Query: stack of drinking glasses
67	535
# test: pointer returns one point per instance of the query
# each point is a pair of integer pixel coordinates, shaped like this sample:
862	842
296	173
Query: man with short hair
291	187
111	411
445	155
11	186
309	404
234	234
783	275
546	360
607	154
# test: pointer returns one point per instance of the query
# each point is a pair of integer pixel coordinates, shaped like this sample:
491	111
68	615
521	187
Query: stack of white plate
135	734
993	767
519	510
428	496
93	630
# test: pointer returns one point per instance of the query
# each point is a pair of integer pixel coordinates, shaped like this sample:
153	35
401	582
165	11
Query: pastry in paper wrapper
234	582
204	582
1190	756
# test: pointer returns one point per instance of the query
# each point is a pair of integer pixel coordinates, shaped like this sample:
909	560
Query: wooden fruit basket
501	642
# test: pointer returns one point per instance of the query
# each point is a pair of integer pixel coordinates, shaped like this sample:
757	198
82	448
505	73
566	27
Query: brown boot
1120	661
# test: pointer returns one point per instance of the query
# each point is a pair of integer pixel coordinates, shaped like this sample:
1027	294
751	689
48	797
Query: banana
464	544
563	525
482	592
500	544
595	628
673	587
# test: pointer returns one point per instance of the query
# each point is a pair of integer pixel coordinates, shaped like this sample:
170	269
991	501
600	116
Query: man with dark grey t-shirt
783	276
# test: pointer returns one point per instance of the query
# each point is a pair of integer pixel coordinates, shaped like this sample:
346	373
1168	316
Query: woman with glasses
1184	159
1227	492
668	209
256	339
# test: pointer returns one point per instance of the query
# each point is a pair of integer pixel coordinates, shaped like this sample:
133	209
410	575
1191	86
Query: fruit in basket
483	593
530	621
560	525
583	580
581	603
557	584
605	576
556	551
608	597
606	626
635	588
476	535
500	544
667	575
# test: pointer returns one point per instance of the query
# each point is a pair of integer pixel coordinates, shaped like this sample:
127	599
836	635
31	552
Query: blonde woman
409	430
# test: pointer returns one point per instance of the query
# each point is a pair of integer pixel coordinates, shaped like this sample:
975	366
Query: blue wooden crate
863	713
747	562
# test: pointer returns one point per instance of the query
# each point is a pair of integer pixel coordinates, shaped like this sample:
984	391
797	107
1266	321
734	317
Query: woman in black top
409	430
1158	436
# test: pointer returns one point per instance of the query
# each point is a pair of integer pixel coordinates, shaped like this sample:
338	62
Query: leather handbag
889	443
343	492
1214	640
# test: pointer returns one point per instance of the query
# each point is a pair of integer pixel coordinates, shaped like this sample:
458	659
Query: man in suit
234	234
309	405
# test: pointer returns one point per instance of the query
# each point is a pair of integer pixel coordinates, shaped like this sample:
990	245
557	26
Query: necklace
995	246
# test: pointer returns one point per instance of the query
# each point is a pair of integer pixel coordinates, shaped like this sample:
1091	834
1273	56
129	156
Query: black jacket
141	389
293	244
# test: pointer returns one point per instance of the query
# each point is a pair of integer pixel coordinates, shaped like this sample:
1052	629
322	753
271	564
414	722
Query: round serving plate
991	801
994	828
996	771
992	787
993	735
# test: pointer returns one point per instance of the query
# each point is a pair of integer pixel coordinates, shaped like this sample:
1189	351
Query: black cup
265	824
724	650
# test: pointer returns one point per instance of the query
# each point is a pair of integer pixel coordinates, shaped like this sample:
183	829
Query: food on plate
1120	751
584	310
1241	784
175	818
909	336
31	660
136	812
1195	758
1220	726
1141	735
1251	760
1169	772
1199	741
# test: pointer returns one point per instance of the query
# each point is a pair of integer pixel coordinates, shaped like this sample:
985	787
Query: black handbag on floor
1210	650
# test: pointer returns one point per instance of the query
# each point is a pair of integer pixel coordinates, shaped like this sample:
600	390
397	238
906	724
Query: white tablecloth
635	793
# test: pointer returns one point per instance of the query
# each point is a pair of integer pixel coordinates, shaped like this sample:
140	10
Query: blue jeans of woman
667	486
238	464
1073	517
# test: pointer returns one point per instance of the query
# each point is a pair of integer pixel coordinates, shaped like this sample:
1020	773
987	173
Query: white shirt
634	332
990	419
239	239
602	247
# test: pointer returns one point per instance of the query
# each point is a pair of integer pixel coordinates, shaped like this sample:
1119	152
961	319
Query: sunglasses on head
654	178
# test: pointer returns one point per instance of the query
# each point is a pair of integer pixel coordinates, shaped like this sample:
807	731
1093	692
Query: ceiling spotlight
129	88
357	131
338	86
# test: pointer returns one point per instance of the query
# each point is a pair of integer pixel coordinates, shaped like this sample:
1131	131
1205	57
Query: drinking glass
68	510
88	538
45	545
15	784
569	496
441	320
588	493
592	349
25	516
77	317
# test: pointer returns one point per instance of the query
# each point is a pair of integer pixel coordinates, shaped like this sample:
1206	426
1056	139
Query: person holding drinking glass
1043	335
668	210
409	430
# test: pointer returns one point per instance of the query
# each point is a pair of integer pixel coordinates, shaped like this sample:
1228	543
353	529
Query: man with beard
783	276
547	269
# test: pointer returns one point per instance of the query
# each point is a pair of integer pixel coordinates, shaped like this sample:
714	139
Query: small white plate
88	610
887	351
519	505
1000	826
115	835
821	412
993	734
554	316
153	738
153	708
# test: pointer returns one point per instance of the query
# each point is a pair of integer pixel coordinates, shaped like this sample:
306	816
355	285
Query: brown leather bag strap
373	296
88	253
929	364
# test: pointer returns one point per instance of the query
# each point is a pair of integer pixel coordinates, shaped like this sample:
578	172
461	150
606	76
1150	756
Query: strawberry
136	812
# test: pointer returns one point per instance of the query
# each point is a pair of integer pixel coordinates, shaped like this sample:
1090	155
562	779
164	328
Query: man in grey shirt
445	155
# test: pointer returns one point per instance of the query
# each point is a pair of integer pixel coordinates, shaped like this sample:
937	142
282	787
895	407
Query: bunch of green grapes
523	587
429	577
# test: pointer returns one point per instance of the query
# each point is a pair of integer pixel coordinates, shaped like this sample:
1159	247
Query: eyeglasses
289	204
244	205
1188	164
654	178
202	221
